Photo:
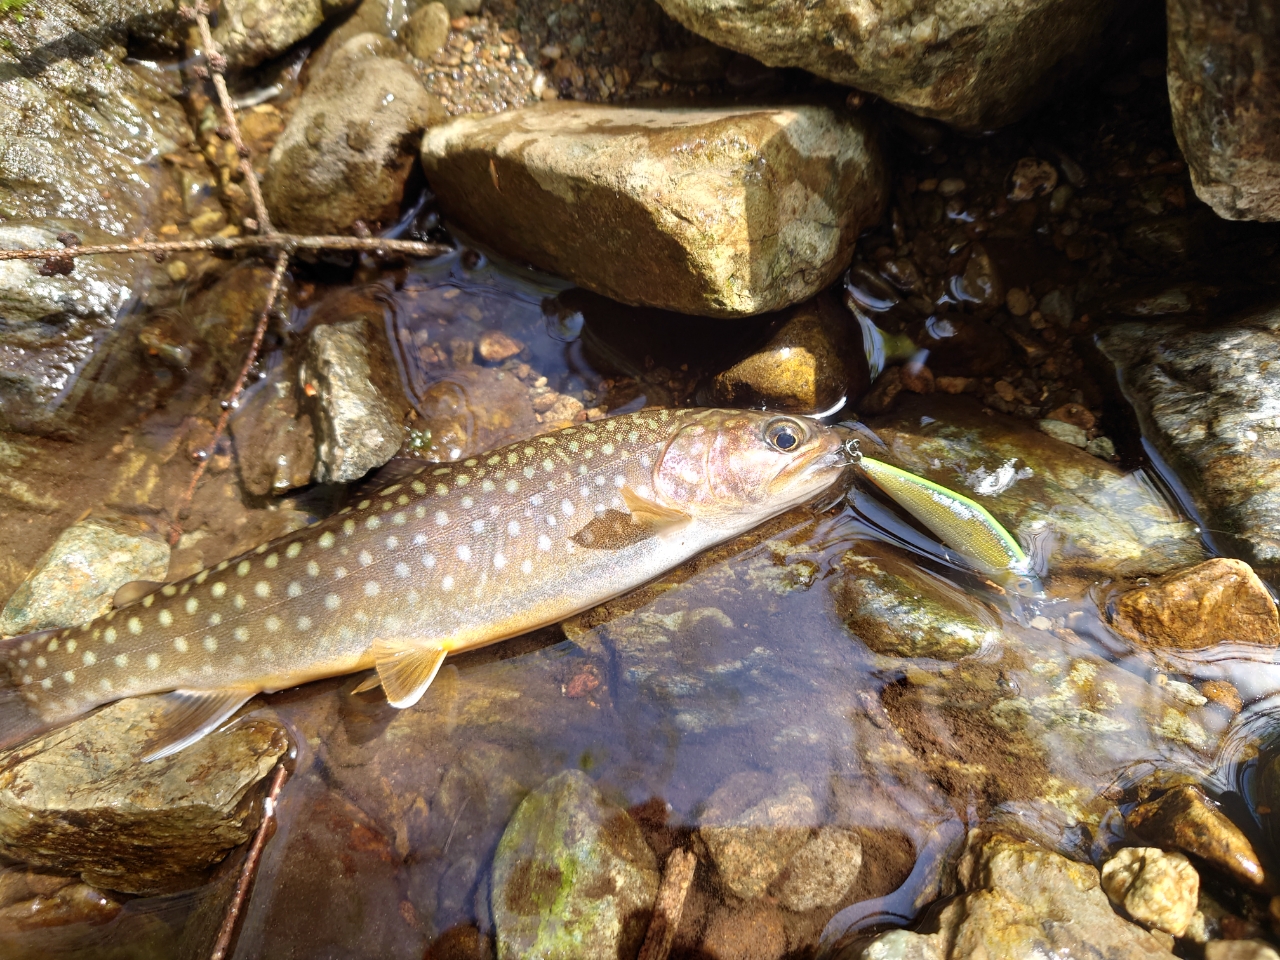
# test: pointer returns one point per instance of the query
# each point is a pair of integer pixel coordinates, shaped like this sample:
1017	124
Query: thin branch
669	905
231	402
249	869
217	66
287	243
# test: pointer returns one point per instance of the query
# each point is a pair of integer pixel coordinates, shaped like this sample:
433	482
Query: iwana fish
452	557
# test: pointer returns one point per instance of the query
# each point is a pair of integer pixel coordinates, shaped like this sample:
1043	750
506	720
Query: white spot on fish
219	590
304	623
544	543
477	526
262	589
202	576
428	560
149	599
419	511
271	561
293	550
393	543
402	570
241	633
513	528
89	658
362	505
499	561
272	624
53	644
180	644
69	676
104	685
607	449
165	618
371	589
566	508
326	539
526	567
153	661
192	605
339	572
463	480
348	527
169	590
71	646
242	568
441	518
464	553
135	627
365	558
418	487
373	523
313	569
446	583
332	601
528	472
467	503
210	644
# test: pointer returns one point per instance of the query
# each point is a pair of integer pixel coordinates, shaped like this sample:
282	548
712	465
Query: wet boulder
80	800
358	427
1185	819
51	318
897	609
348	148
808	365
1021	900
572	876
1206	399
77	577
724	211
251	31
973	65
1224	82
1218	601
1159	890
1072	512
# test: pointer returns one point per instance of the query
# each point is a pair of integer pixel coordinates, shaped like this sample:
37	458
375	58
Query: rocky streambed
1025	251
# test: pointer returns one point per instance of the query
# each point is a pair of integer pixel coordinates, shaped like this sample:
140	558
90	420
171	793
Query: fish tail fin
19	719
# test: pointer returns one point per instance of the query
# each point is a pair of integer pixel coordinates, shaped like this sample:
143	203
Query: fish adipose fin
653	515
406	670
189	715
133	591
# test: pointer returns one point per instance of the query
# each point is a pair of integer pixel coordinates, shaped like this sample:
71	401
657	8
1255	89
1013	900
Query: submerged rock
752	825
725	212
275	445
572	877
1020	900
975	66
1160	890
1187	820
822	870
80	800
809	364
1220	600
79	575
347	150
358	427
50	322
1224	81
251	31
1240	950
1074	513
899	610
1206	398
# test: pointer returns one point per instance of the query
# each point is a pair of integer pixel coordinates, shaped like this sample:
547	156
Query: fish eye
785	435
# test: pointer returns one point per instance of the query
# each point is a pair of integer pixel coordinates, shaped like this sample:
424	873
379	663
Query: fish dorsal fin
190	714
653	515
133	591
406	670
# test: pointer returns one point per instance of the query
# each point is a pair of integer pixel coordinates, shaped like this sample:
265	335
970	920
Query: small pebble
1066	432
1018	301
495	346
951	186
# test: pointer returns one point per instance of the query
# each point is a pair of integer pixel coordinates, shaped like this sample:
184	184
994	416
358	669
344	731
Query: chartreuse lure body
965	526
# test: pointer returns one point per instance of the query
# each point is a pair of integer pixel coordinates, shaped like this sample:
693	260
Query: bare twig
230	403
669	905
217	65
249	869
287	243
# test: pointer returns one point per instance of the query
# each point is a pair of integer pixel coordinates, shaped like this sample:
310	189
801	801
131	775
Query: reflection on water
747	660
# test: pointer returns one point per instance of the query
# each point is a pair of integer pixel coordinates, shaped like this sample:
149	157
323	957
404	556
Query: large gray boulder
975	65
716	211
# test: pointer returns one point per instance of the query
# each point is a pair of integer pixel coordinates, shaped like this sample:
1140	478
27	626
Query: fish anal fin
406	669
655	516
188	715
133	591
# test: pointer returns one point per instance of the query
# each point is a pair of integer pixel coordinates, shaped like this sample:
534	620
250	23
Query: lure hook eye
851	450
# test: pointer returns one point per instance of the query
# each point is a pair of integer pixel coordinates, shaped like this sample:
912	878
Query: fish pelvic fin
133	591
653	515
188	715
406	669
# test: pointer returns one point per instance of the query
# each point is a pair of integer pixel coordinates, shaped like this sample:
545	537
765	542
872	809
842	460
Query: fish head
731	464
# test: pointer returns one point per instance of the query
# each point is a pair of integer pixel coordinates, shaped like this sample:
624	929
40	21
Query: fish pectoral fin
653	515
190	714
406	670
133	591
